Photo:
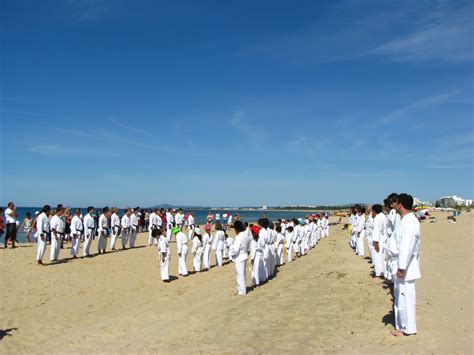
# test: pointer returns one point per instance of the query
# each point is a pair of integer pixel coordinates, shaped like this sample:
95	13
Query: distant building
264	207
452	201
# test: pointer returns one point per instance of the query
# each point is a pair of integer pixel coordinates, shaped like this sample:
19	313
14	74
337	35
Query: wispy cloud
415	106
248	129
445	34
89	10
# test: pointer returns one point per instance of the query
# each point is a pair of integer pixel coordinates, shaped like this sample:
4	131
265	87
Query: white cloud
446	35
415	106
240	122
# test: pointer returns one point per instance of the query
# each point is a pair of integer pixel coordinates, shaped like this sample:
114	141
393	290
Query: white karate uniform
43	229
369	226
272	260
89	230
360	229
263	235
206	257
280	240
191	227
169	225
164	254
218	246
259	273
103	230
239	254
379	235
182	249
406	251
152	226
77	228
289	245
115	223
57	231
133	230
179	219
197	250
326	227
126	227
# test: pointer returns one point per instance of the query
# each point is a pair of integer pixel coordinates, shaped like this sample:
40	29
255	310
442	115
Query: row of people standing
393	240
264	244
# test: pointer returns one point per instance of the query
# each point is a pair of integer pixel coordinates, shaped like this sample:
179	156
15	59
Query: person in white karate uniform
43	229
152	222
164	253
197	250
378	239
169	224
289	243
272	239
218	244
279	245
104	231
360	230
182	250
393	218
207	243
369	227
353	225
179	218
57	233
228	245
326	225
116	228
406	251
133	227
89	231
77	229
265	239
239	254
126	225
258	269
191	225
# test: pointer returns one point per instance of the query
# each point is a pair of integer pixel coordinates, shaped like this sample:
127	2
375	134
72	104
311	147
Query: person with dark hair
154	222
182	249
134	218
116	227
352	224
239	254
126	225
197	249
191	225
169	223
89	231
164	253
219	244
10	218
289	238
404	248
280	240
258	269
77	228
379	235
104	230
43	229
57	233
360	230
265	237
27	225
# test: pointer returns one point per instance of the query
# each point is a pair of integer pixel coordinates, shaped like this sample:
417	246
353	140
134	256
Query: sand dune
324	302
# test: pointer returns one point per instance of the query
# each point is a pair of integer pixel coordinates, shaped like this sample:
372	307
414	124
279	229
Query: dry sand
324	302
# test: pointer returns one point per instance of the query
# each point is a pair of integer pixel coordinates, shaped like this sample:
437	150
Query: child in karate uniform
164	253
197	249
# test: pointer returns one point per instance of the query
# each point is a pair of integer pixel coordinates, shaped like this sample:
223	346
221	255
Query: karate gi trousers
133	238
379	262
360	249
219	257
289	254
165	267
124	238
87	245
113	239
102	241
182	269
405	305
206	258
55	248
240	268
279	255
258	270
75	243
197	261
41	248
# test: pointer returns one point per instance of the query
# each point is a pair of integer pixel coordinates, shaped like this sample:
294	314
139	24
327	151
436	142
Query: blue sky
235	102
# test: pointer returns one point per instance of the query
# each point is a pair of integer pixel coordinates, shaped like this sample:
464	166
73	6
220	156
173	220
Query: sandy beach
324	302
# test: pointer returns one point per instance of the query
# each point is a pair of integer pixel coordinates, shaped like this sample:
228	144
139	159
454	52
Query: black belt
135	225
91	228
